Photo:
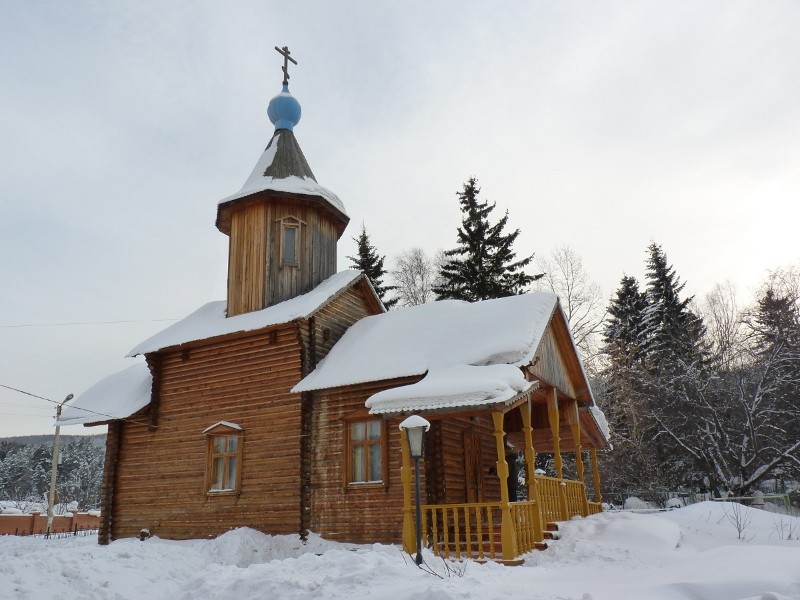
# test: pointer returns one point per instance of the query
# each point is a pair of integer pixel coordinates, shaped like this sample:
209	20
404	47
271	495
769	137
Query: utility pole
54	467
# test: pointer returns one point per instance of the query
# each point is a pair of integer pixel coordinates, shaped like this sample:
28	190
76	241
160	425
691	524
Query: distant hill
98	440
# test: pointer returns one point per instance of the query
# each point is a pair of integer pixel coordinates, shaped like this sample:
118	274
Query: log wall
373	512
161	472
362	513
109	482
317	336
452	449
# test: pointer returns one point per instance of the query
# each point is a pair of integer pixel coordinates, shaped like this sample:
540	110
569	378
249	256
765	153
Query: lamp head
415	428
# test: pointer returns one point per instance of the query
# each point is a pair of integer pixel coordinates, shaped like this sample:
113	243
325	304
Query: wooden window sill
366	485
212	493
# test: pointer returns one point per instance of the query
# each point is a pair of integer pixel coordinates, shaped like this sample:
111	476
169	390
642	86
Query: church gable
334	319
556	361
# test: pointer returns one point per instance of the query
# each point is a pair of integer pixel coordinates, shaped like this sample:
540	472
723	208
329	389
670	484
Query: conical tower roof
282	169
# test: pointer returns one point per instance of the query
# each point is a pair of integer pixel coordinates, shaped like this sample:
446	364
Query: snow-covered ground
696	553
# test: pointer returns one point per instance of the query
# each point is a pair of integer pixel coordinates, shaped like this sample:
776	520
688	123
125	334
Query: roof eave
225	208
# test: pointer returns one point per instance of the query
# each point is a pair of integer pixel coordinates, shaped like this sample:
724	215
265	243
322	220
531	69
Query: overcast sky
599	125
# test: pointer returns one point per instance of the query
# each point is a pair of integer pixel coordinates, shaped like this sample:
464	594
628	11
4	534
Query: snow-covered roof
116	397
468	353
454	386
283	168
211	321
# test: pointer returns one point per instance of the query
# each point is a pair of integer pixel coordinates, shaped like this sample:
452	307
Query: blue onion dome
284	110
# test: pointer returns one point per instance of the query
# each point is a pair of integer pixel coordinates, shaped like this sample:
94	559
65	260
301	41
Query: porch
458	531
504	528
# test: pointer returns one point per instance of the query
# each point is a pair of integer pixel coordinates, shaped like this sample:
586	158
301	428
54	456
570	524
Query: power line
20	325
94	412
8	387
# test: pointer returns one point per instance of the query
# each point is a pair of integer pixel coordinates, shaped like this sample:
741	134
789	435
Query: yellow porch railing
561	499
463	530
550	498
458	531
524	516
575	493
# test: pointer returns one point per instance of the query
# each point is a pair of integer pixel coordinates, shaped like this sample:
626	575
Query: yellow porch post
407	477
507	532
598	497
575	423
530	465
552	414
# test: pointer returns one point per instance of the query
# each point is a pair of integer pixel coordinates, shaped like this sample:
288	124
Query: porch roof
427	339
453	388
468	353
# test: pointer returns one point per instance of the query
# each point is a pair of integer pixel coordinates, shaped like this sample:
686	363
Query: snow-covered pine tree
371	263
482	266
671	330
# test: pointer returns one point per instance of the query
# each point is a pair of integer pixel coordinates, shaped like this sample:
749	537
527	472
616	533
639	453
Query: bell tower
283	226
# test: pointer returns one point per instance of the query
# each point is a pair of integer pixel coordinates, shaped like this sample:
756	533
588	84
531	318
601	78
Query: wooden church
278	409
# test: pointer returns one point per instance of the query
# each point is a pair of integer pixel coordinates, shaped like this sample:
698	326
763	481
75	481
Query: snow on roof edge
453	387
599	417
210	320
291	185
451	404
116	396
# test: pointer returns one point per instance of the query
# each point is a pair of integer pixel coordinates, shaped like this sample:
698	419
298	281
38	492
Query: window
366	462
291	232
289	243
224	458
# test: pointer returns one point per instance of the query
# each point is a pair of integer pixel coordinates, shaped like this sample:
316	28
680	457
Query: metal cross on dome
286	58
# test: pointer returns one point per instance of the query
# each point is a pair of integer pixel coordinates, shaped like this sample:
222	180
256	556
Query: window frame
363	417
296	225
224	430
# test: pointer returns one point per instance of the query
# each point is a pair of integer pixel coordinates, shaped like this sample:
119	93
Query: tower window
291	229
290	237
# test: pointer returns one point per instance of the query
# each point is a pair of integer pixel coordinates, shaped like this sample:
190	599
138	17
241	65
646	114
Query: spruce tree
624	328
672	331
776	321
371	263
483	265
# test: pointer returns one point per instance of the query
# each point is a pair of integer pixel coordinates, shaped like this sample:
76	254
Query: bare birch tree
581	298
724	325
413	276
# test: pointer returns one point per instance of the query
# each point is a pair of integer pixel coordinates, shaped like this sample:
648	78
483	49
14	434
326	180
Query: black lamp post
415	428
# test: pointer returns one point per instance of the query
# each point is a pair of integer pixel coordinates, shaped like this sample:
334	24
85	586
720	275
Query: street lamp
415	428
51	498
